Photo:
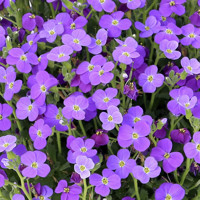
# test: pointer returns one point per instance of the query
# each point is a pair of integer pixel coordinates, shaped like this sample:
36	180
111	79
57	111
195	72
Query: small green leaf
188	114
68	3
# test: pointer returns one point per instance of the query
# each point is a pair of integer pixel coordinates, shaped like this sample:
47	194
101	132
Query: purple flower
150	27
83	166
112	117
21	59
42	65
103	183
128	198
75	178
125	54
26	109
34	162
162	152
195	18
169	32
53	117
181	135
134	115
106	5
114	23
150	170
3	177
80	147
7	143
18	197
104	99
75	107
71	192
169	191
150	80
77	39
182	99
95	46
5	111
132	5
100	137
169	49
38	133
121	163
2	37
136	136
60	54
44	82
191	66
43	192
4	73
85	68
51	30
167	7
192	149
12	87
192	36
131	91
30	21
102	74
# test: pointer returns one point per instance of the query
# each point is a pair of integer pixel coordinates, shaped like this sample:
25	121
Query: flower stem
85	189
52	10
82	127
59	142
188	163
136	187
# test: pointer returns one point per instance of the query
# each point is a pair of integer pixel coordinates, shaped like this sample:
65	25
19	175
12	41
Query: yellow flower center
167	155
30	107
164	18
76	108
6	145
189	68
147	28
198	147
146	170
136	119
121	163
172	3
90	67
52	32
169	31
82	168
150	78
98	42
110	118
168	197
76	41
61	55
4	77
106	99
39	133
182	130
135	136
101	72
32	16
66	190
115	22
1	117
126	54
43	88
73	26
30	42
39	59
169	51
41	197
23	57
58	116
99	132
192	35
102	1
34	165
105	181
83	149
187	105
197	77
11	85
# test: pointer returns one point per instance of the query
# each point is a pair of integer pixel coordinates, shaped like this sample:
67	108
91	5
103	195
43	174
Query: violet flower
191	66
5	111
132	5
181	135
43	192
7	143
100	137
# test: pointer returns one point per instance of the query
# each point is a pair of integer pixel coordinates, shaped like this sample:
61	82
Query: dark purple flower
77	39
43	192
150	27
195	18
103	183
169	191
7	143
44	81
121	163
167	7
83	166
21	59
106	5
162	152
181	135
95	46
150	170
128	198
192	149
38	133
71	192
75	107
114	23
100	137
5	111
60	54
150	80
3	177
30	21
34	162
75	178
136	136
192	36
131	91
112	117
195	168
51	30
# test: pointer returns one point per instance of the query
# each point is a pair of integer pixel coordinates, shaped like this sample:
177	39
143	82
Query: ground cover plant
99	99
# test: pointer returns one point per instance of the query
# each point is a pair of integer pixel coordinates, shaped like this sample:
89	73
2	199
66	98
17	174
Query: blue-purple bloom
7	143
5	111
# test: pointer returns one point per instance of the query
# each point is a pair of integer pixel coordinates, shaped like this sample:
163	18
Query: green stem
174	124
89	13
8	19
176	176
69	128
136	187
95	123
85	189
59	142
52	10
82	127
29	189
152	138
188	163
152	100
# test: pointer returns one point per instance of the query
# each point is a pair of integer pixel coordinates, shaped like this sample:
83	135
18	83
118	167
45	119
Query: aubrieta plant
99	99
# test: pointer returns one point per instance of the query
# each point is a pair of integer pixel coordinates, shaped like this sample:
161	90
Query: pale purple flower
7	143
112	117
191	66
5	111
150	170
132	5
43	192
4	73
18	197
83	166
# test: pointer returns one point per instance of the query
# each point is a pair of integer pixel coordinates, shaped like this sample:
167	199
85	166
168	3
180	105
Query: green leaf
68	3
8	43
188	114
183	75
